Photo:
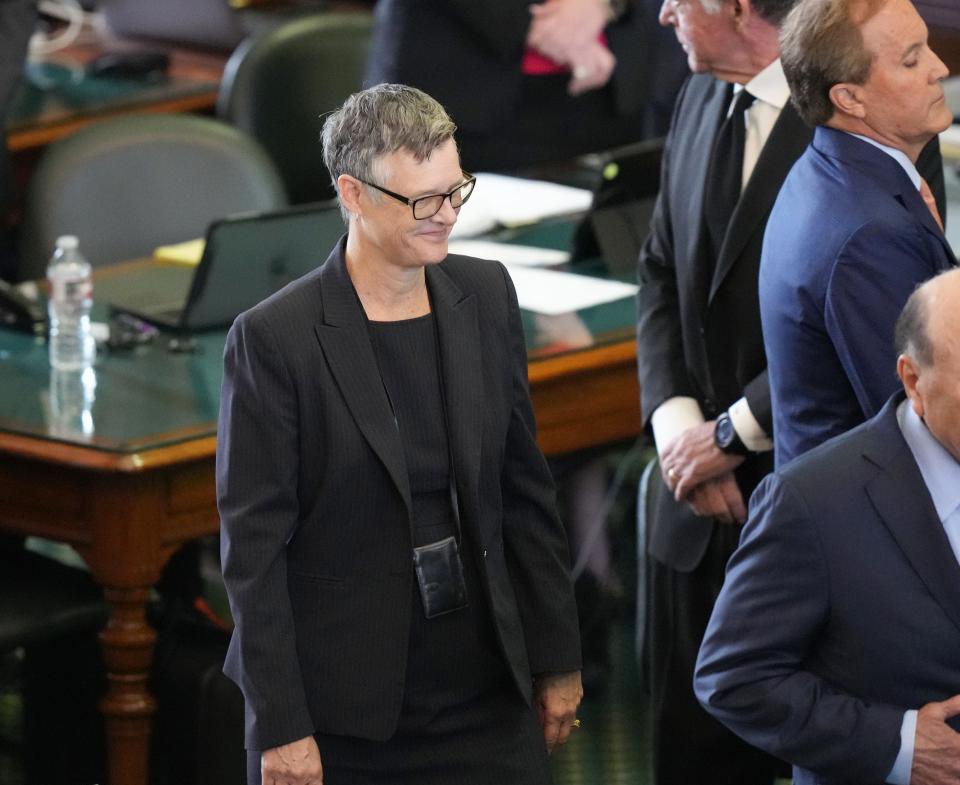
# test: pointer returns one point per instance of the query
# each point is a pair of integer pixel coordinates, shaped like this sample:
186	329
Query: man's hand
561	28
296	763
557	696
936	752
693	458
591	68
719	498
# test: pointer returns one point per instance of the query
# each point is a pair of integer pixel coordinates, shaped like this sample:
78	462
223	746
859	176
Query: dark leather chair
278	85
42	600
52	613
127	185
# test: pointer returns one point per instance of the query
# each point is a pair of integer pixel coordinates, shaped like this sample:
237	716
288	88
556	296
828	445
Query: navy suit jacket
848	240
315	502
840	610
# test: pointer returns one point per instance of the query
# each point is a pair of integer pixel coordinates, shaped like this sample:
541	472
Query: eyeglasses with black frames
428	206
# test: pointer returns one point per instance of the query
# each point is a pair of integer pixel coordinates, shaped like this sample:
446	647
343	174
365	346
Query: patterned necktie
927	195
725	176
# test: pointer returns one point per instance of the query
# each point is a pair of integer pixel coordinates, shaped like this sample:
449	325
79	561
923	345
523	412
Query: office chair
52	612
278	85
129	184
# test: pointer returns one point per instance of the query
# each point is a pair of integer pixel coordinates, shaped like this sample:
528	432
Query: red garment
536	64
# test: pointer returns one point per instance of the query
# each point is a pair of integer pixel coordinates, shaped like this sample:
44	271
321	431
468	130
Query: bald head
928	344
931	304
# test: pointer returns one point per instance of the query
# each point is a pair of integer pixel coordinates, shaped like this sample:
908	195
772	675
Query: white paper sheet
949	143
513	201
553	292
510	253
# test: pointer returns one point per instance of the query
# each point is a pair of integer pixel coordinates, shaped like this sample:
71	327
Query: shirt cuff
754	438
903	765
673	417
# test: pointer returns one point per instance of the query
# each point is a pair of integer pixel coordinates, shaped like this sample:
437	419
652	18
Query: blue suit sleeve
753	672
877	270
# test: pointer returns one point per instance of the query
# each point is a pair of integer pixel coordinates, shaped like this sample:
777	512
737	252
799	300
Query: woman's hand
296	763
557	696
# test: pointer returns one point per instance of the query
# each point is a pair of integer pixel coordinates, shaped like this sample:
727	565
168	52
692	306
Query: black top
455	657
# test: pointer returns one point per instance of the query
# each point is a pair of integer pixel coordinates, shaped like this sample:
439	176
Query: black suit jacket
698	332
840	610
315	502
467	54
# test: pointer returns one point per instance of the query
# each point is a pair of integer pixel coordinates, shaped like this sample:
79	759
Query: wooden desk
127	496
40	117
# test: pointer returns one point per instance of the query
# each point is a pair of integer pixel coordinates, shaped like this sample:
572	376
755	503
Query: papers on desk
510	253
548	292
951	91
187	253
949	143
551	292
498	200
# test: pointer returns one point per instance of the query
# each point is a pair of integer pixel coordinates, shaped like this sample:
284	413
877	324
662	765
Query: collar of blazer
903	503
345	342
786	143
878	167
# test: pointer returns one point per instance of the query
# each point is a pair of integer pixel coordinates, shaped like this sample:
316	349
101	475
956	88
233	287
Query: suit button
484	554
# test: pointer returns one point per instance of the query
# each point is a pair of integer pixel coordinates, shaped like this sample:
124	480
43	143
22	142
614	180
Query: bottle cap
68	242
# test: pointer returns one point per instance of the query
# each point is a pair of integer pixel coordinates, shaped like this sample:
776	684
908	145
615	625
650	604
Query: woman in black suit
396	568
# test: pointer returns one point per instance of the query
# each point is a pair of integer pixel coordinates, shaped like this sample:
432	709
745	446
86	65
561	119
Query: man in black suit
375	416
530	82
700	353
835	642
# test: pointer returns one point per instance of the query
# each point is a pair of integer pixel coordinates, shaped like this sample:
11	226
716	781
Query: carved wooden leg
128	707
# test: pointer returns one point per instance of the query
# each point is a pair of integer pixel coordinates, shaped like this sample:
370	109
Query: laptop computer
623	202
246	258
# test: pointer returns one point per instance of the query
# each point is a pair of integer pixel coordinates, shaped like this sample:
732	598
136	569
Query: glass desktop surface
153	396
53	93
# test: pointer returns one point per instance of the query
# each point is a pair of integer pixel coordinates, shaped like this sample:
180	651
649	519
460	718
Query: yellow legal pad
187	253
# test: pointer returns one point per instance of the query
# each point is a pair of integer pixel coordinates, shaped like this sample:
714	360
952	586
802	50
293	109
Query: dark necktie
725	176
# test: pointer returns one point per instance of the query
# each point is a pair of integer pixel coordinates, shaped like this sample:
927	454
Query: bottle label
72	290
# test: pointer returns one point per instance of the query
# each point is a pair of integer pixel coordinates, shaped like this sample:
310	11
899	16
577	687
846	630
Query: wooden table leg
128	707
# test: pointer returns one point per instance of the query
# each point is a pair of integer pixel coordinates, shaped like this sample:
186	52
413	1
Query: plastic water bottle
72	347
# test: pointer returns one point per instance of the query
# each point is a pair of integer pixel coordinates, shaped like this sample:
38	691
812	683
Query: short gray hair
382	120
910	334
821	45
773	11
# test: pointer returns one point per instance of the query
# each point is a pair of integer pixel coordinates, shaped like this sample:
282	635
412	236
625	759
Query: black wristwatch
725	436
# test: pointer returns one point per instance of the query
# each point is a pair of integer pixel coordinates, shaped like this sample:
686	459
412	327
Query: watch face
725	432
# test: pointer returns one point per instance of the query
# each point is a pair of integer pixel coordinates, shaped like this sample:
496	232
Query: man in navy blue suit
855	227
835	642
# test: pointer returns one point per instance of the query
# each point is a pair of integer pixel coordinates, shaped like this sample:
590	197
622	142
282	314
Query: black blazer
315	503
698	332
467	54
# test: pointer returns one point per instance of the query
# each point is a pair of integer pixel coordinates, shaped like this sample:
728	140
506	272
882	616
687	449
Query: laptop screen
619	220
249	257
